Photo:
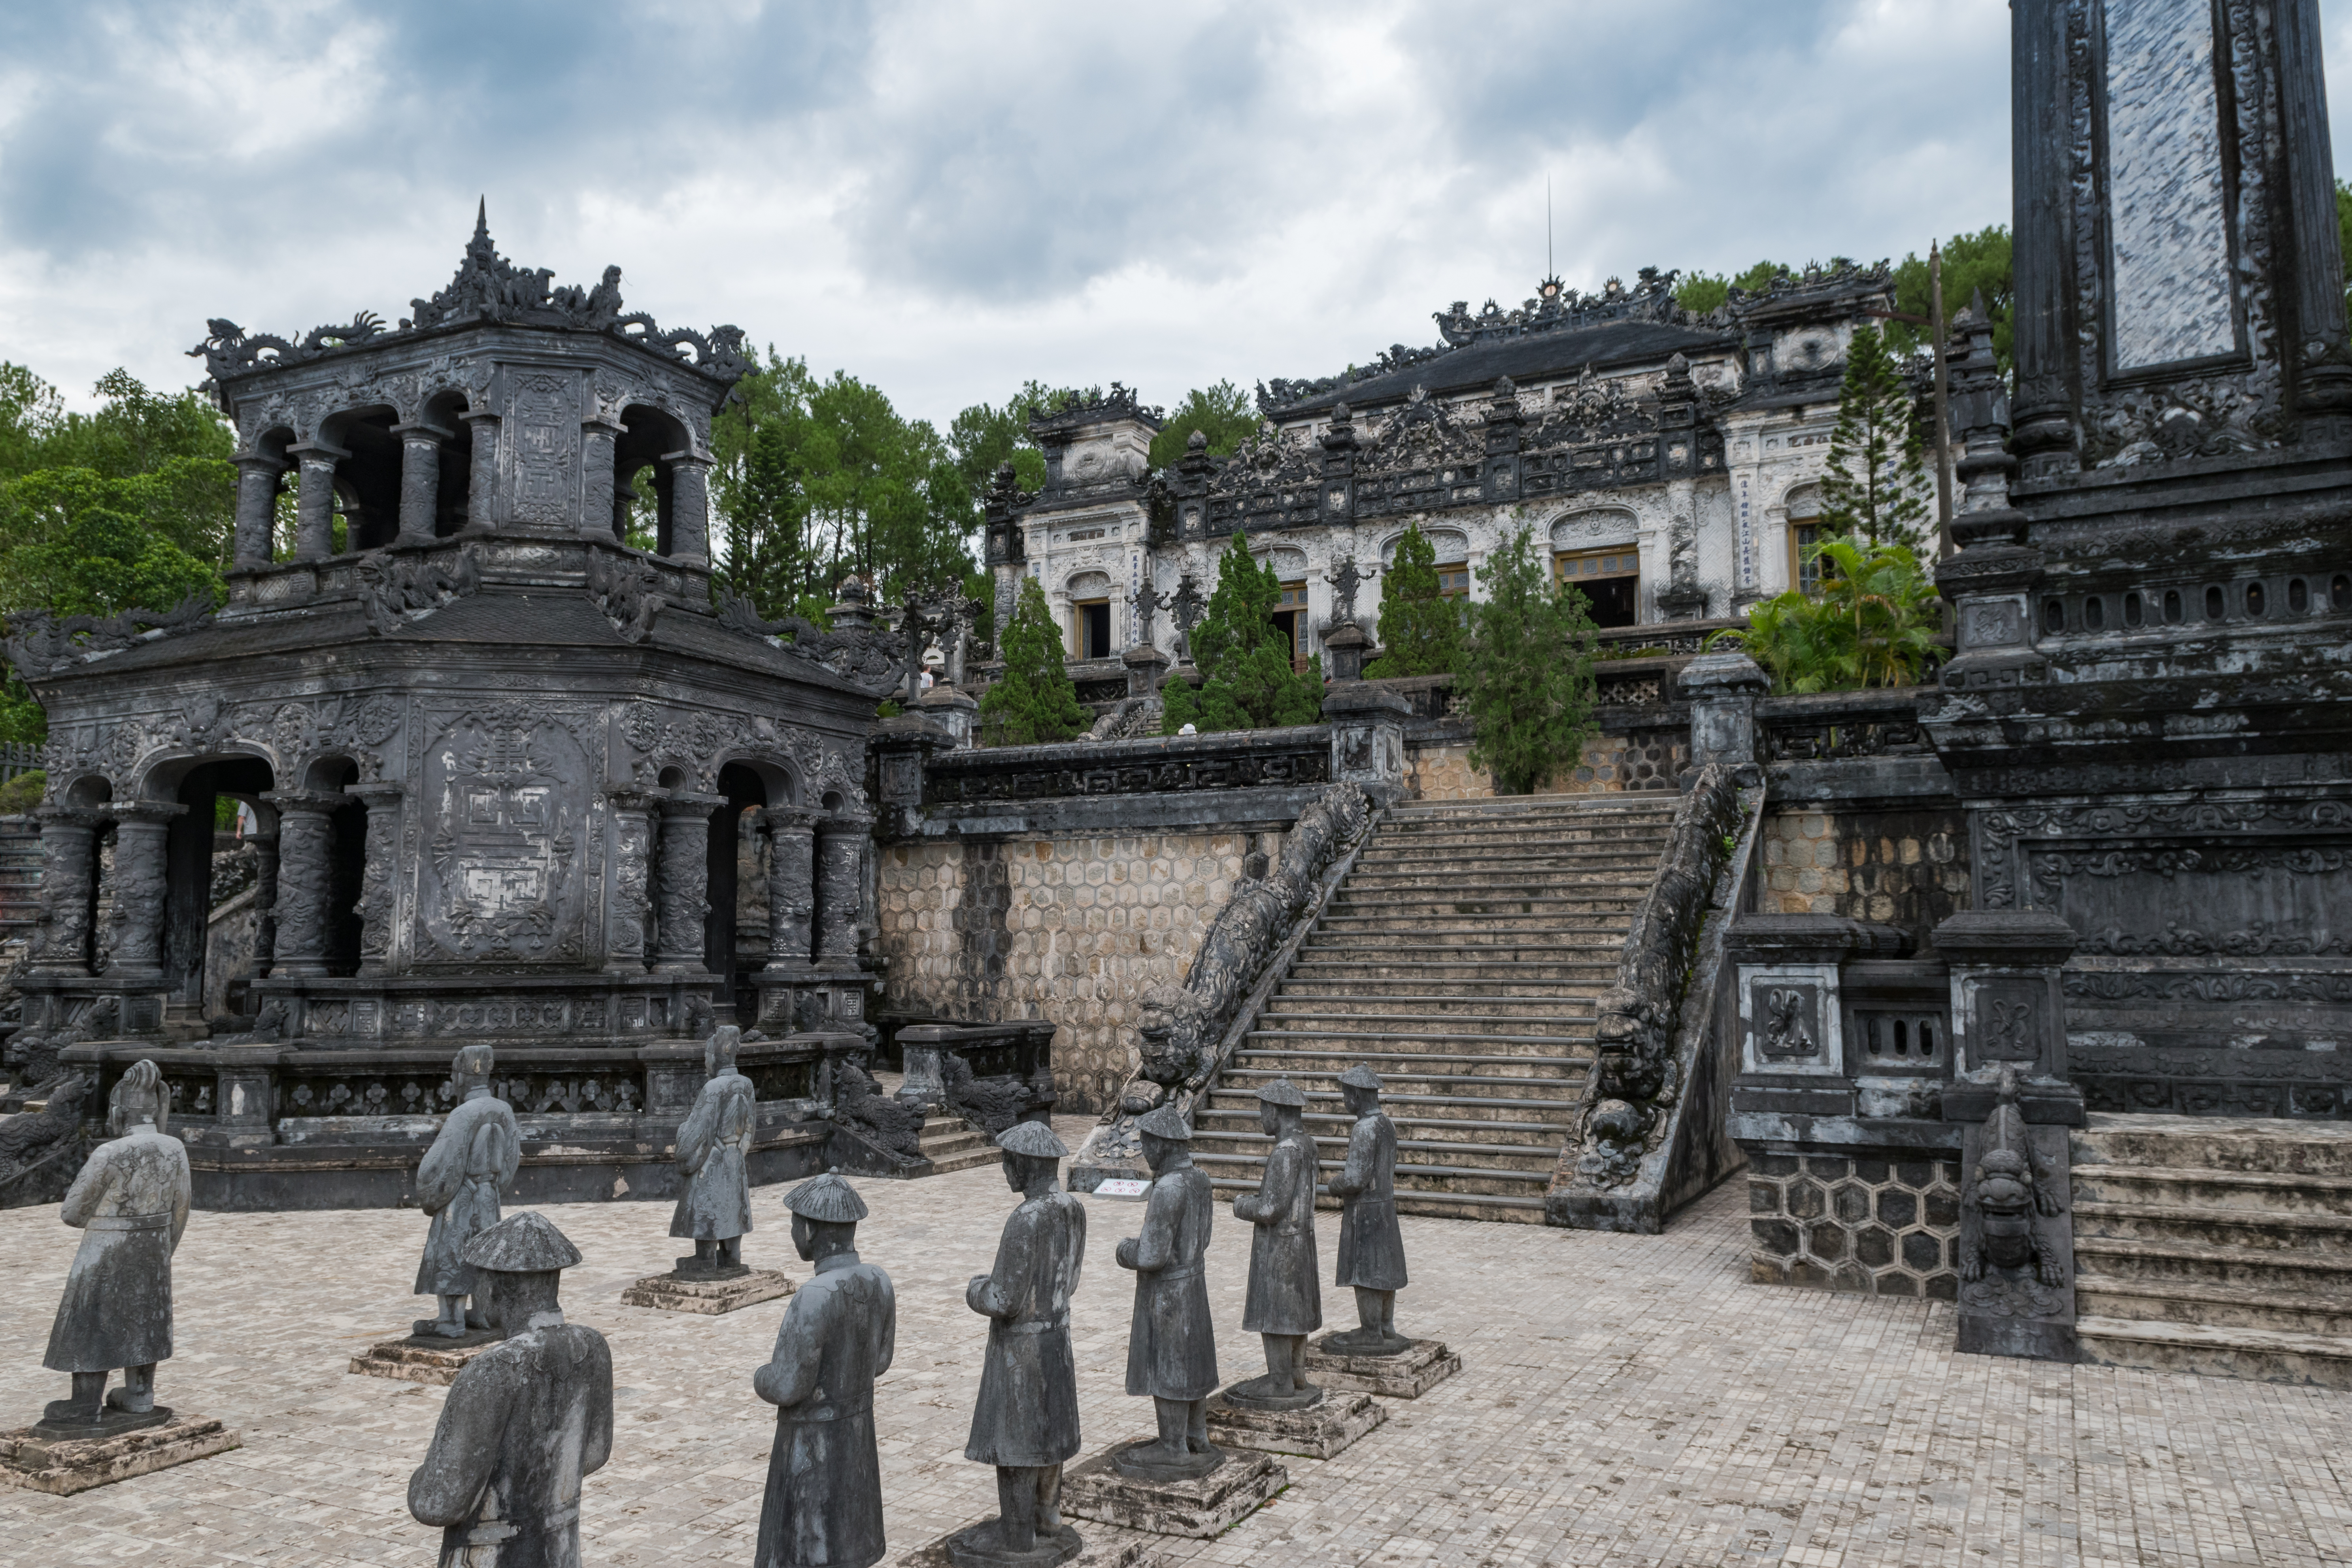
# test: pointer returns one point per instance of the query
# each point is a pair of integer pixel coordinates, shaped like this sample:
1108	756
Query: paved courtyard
1623	1400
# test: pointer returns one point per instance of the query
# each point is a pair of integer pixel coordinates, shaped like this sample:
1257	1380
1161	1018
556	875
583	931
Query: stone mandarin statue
1285	1296
713	1145
526	1420
1171	1350
1371	1248
130	1203
473	1158
1027	1420
823	1502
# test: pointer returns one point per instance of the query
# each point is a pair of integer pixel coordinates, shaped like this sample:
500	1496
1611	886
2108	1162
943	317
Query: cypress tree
1033	702
1421	628
1247	681
1526	681
1876	487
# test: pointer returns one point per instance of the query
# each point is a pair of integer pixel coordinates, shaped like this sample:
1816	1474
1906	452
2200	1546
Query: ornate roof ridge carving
1075	411
487	287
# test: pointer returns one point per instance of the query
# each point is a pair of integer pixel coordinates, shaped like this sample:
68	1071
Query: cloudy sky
947	199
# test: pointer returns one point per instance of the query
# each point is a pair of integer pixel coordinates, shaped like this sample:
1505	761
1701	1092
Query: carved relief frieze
512	826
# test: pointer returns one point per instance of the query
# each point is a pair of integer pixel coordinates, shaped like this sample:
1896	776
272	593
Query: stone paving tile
1623	1401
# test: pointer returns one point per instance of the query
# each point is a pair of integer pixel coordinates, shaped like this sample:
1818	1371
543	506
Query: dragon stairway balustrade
509	767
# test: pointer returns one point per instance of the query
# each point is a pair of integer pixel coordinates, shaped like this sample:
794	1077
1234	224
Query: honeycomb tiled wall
1880	1226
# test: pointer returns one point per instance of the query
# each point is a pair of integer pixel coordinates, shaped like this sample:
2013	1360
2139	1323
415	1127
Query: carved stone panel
1789	1019
507	809
542	428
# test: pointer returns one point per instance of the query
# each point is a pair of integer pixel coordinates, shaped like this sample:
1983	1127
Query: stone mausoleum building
1669	462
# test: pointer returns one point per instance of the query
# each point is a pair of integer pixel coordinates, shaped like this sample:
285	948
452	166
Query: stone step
1389	998
1434	1205
1411	1152
2243	1228
2266	1270
2217	1306
1477	903
1311	1059
1420	1037
2263	1356
1551	1081
2259	1192
1548	1130
1327	966
2216	1143
1488	931
1409	1108
1417	1178
1530	867
953	1144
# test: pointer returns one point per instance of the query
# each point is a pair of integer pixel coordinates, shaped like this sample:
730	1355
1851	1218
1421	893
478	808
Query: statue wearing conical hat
472	1160
714	1147
526	1420
1285	1296
1172	1348
1025	1422
131	1204
1371	1248
823	1502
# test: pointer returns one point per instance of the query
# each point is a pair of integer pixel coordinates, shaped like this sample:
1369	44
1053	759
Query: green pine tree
1526	681
1033	702
1876	487
1247	681
1421	628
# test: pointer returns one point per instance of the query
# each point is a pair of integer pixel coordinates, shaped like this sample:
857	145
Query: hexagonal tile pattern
1884	1226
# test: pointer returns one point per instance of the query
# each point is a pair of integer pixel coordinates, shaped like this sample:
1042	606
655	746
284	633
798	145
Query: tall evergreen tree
1526	681
1223	413
1876	487
1421	628
1245	661
1033	702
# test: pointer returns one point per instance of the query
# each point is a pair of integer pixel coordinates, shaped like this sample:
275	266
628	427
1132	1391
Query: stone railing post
2008	1010
306	838
684	881
629	912
257	508
840	887
791	888
1722	689
141	829
689	507
379	899
902	746
68	880
953	711
314	508
420	480
1368	738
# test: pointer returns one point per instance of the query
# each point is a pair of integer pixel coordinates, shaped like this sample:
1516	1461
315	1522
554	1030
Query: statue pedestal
708	1294
1322	1430
1098	1549
1202	1507
1409	1374
423	1358
41	1461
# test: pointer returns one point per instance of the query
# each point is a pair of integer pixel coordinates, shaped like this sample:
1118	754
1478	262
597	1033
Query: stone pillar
1145	666
1344	647
601	504
791	888
628	913
1990	581
953	711
257	508
420	480
689	507
306	838
2008	1010
2042	176
378	898
684	880
69	882
482	479
840	886
314	520
901	747
1722	689
265	889
1368	738
141	829
624	496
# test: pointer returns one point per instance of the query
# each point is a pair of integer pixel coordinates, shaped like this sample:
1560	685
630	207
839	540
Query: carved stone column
685	880
264	891
378	898
482	479
257	508
420	480
690	507
840	884
140	830
1723	689
629	911
598	501
68	875
306	838
314	514
792	887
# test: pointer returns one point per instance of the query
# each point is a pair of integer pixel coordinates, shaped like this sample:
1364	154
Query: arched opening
452	490
196	839
347	867
367	481
644	493
723	938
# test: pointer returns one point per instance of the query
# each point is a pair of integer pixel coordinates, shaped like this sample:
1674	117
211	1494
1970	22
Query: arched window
644	482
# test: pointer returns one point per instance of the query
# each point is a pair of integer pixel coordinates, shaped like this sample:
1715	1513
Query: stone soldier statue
1372	1248
714	1210
526	1420
1171	1350
1285	1296
823	1503
472	1158
1027	1420
130	1203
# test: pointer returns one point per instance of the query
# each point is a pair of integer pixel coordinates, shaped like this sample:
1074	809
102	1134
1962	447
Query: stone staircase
1460	959
950	1143
2214	1246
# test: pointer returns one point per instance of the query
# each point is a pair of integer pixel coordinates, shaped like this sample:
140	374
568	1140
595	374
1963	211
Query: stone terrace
1624	1400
